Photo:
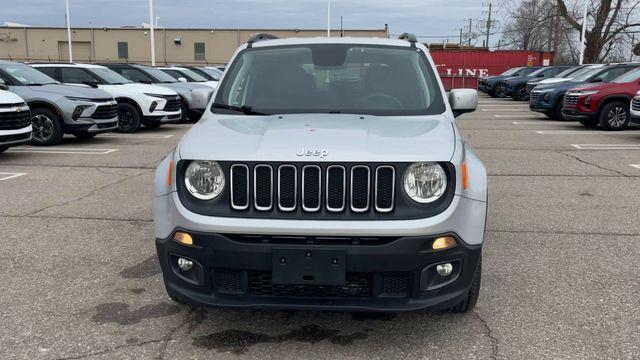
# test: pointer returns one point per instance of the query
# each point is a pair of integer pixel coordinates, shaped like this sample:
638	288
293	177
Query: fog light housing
443	243
153	106
442	269
77	112
186	265
183	238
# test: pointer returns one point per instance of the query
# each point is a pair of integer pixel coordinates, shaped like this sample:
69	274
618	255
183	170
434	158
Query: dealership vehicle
191	109
15	120
547	99
58	109
635	109
138	104
187	75
516	86
492	85
565	75
210	73
604	104
328	174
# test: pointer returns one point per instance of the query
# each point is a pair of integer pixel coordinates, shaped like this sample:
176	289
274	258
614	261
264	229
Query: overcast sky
423	17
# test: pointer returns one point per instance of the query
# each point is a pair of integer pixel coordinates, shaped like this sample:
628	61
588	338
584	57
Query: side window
174	73
199	51
76	76
123	50
134	75
51	72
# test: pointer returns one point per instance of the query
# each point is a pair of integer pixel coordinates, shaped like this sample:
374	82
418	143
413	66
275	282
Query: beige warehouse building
132	44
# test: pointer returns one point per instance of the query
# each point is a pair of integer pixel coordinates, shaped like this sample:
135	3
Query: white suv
187	75
138	104
15	121
326	174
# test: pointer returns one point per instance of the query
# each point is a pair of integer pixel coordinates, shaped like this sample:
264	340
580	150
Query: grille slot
336	188
396	285
360	188
570	99
105	112
14	120
358	285
173	103
227	282
385	188
533	98
287	187
240	187
263	187
635	104
311	188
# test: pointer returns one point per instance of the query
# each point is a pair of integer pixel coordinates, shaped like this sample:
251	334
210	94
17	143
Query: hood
7	97
149	88
554	81
335	137
559	86
70	90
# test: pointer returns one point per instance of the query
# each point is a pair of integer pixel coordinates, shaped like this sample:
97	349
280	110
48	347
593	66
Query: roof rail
259	37
410	37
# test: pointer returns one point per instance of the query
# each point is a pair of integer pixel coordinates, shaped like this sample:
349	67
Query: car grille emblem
321	153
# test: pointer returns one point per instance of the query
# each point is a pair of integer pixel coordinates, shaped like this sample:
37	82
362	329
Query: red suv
604	104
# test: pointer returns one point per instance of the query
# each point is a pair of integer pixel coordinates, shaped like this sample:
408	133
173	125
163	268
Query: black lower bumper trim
378	277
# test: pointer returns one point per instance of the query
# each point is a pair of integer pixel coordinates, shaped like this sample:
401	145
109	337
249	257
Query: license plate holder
308	267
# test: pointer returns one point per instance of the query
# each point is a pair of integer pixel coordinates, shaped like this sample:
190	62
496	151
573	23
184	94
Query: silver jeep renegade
326	174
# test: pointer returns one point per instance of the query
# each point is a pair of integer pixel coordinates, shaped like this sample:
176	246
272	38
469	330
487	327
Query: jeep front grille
310	187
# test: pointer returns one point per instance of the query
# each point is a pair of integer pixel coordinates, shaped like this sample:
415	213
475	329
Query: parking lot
560	272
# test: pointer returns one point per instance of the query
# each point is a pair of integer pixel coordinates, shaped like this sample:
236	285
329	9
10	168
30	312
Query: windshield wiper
245	109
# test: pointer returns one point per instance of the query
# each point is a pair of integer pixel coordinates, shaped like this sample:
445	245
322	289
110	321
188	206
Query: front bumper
575	115
92	125
15	137
163	119
387	274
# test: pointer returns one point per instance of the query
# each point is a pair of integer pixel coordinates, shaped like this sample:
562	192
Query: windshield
191	75
510	71
585	75
209	73
158	75
26	75
109	76
537	72
632	75
331	78
526	71
569	71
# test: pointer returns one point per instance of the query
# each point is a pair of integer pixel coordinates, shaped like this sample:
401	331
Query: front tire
614	116
128	118
521	93
469	302
84	135
498	91
47	127
588	123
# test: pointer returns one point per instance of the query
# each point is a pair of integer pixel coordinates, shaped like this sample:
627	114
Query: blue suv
516	86
491	84
548	99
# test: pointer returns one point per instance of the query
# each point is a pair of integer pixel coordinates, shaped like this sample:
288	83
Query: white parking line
637	166
134	136
518	115
10	175
585	132
606	146
509	109
61	150
537	123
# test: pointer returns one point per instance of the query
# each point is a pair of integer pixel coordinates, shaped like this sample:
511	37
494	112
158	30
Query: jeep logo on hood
312	152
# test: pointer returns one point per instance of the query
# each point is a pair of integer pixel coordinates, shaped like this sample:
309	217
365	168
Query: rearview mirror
182	79
463	101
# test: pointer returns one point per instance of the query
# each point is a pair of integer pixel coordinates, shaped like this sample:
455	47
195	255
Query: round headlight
204	179
425	182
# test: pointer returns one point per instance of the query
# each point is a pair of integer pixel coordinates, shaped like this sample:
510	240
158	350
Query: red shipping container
461	68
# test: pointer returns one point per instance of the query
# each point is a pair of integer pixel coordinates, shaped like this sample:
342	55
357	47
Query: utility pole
329	18
460	37
66	17
556	30
584	30
153	40
489	24
469	34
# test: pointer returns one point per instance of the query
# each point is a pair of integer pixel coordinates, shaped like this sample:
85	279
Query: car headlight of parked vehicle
154	95
75	98
425	182
204	179
586	93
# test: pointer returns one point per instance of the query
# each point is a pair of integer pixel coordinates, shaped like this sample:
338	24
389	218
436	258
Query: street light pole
152	39
584	30
329	18
66	17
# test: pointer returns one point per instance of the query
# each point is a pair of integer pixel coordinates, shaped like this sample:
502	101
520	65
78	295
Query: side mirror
463	101
596	80
200	98
145	81
4	87
182	79
540	75
93	84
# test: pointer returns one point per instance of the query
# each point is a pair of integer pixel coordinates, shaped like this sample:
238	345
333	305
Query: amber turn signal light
465	177
444	242
183	238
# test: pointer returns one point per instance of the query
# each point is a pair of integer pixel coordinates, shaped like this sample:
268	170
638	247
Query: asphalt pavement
561	280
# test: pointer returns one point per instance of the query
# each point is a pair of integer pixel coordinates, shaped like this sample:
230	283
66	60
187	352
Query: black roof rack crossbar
410	37
259	37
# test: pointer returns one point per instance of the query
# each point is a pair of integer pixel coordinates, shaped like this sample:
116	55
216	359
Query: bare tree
611	19
529	26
